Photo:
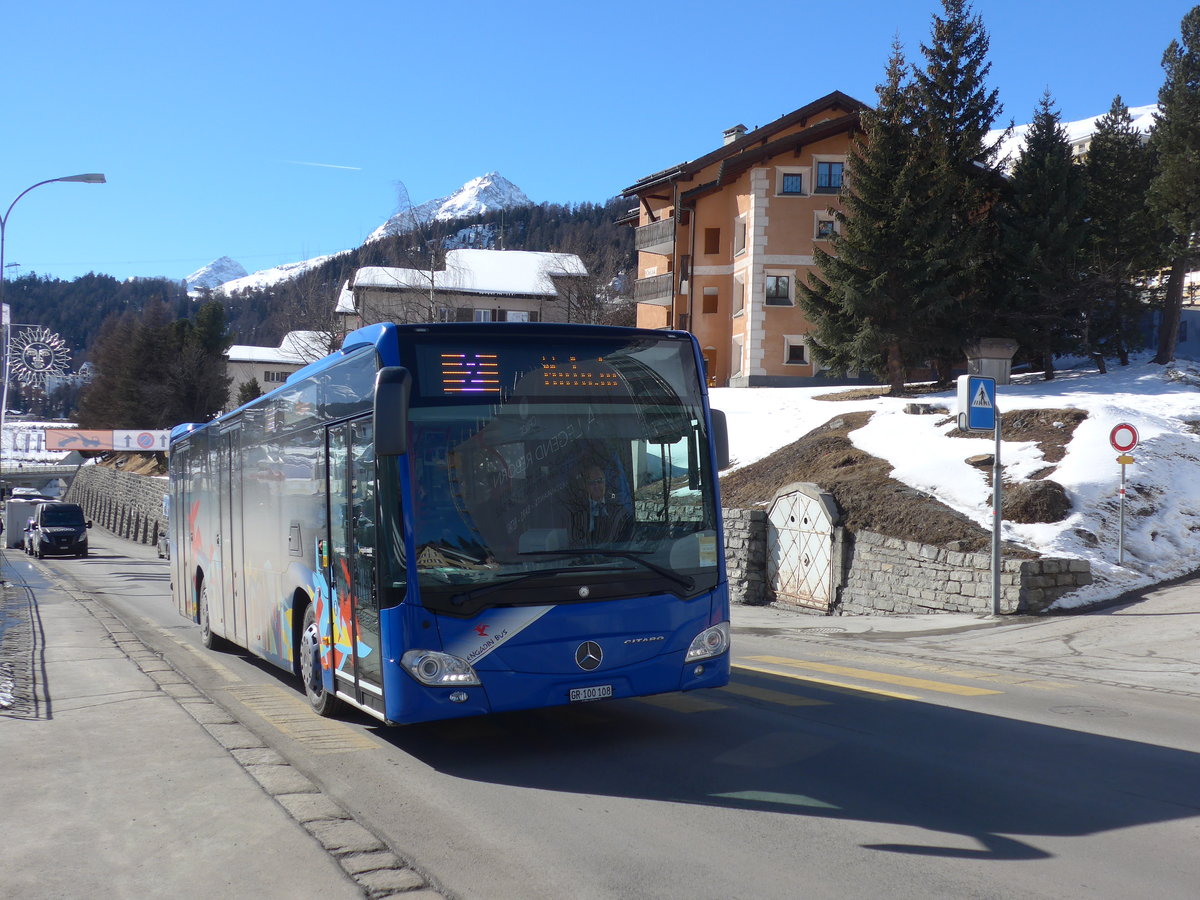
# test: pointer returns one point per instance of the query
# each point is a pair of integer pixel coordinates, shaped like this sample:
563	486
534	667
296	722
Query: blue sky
272	132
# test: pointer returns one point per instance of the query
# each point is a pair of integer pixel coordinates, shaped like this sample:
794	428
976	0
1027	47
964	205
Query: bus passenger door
352	542
232	621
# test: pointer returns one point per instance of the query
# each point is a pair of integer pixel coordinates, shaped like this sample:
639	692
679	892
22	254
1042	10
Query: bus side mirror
392	387
720	433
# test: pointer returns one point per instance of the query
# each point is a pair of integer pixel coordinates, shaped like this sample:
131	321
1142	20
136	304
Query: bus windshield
556	474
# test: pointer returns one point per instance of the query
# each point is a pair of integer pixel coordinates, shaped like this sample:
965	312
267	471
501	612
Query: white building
272	365
474	286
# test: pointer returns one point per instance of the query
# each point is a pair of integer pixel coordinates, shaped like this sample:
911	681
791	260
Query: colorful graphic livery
448	520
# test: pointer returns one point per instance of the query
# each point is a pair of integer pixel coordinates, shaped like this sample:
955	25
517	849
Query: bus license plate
599	692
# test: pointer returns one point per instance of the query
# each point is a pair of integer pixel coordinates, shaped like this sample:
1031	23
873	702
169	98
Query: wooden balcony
659	289
657	237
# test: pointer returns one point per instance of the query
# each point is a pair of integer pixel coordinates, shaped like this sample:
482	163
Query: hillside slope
921	483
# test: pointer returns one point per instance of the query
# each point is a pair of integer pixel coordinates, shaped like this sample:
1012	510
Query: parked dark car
58	528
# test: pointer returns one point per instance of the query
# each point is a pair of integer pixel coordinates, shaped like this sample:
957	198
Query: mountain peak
215	274
480	195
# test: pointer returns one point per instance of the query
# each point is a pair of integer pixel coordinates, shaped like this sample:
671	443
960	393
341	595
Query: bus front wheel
322	702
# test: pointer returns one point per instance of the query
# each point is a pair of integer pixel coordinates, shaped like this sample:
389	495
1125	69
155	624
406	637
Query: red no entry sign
1124	437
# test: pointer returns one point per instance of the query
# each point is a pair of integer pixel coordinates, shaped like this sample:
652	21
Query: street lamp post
88	178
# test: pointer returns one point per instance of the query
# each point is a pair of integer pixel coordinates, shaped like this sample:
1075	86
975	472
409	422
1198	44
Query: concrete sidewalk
119	779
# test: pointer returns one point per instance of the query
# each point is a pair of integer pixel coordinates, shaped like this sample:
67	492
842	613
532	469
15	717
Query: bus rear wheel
207	638
321	700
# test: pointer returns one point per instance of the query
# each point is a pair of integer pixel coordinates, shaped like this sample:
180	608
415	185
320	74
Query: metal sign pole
997	519
1124	437
1121	530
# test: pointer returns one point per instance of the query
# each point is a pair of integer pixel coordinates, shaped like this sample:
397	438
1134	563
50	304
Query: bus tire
207	638
322	702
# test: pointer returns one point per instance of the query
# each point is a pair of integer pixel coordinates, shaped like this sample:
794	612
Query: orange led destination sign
569	372
470	373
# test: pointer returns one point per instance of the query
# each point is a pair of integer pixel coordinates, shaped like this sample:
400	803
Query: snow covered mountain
215	274
268	277
479	195
1078	133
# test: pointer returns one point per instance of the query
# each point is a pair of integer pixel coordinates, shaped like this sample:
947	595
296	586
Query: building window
795	353
483	315
464	314
791	183
739	297
825	229
829	177
710	300
739	236
274	377
712	241
779	290
735	361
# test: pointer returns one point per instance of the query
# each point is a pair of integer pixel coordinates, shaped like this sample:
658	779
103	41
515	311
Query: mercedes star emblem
588	655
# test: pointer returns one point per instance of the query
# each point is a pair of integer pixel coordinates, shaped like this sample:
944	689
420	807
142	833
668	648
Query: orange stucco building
722	241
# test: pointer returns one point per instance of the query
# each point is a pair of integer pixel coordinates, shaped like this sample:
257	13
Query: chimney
732	134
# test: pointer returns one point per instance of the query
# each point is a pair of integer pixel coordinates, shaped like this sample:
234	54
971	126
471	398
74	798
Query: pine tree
1042	231
1123	237
198	379
861	305
955	113
1175	192
249	390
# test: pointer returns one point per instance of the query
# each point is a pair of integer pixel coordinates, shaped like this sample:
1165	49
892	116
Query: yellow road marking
949	671
685	703
770	696
827	682
940	687
292	716
205	656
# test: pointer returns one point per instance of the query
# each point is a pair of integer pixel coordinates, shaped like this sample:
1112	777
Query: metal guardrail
35	472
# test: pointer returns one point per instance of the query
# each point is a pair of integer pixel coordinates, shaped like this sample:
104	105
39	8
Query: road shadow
998	781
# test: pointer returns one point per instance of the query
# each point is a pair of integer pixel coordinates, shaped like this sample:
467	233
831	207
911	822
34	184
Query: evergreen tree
249	390
862	305
955	113
1175	191
198	380
1042	232
155	372
1123	237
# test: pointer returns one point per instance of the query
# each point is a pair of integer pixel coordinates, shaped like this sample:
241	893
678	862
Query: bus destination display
470	373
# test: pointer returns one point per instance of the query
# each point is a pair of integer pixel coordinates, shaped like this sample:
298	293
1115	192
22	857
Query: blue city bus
448	520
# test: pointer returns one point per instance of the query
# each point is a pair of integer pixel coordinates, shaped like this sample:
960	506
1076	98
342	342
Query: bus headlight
709	643
438	669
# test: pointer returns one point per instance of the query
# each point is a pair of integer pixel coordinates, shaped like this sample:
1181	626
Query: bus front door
352	541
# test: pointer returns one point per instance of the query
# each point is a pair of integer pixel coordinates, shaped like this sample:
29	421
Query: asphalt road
947	757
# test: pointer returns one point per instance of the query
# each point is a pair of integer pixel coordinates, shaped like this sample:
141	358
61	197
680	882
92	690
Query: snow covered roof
478	272
296	348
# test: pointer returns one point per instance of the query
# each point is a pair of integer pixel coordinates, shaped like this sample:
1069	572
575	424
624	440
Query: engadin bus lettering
422	551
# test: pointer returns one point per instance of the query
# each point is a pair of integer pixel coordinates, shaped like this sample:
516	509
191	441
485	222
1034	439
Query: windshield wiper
462	597
684	581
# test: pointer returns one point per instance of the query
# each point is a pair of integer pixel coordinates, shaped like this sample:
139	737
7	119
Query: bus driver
597	517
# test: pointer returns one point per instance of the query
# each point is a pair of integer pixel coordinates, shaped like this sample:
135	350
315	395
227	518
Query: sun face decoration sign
35	352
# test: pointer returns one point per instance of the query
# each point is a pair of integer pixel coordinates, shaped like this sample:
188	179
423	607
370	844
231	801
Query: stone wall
746	555
882	575
888	575
127	505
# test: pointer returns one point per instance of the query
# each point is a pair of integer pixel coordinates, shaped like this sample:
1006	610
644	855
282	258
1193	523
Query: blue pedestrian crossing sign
976	403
